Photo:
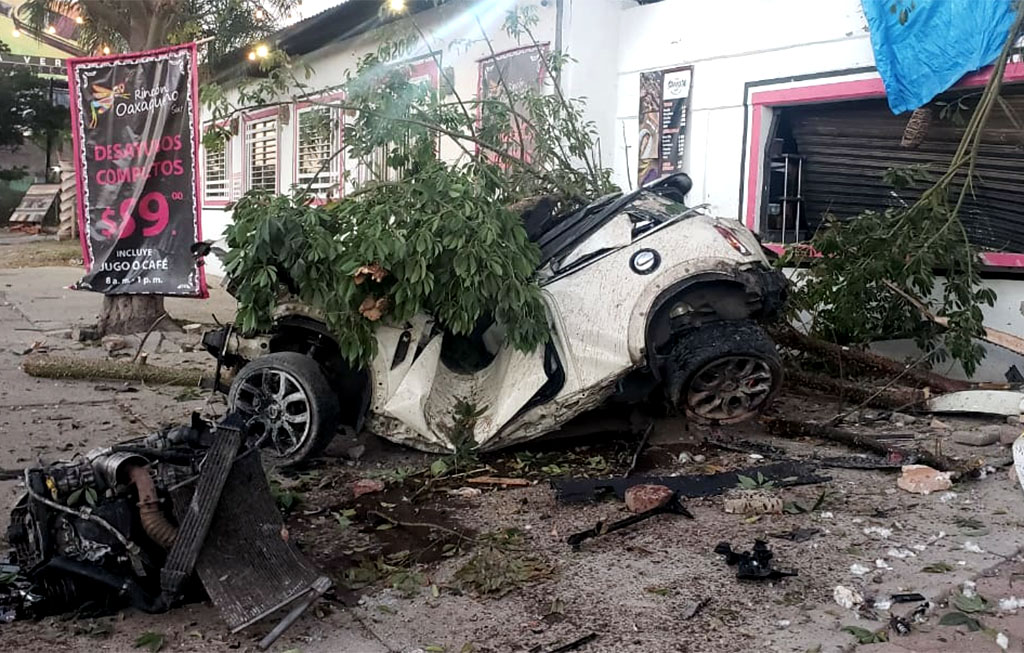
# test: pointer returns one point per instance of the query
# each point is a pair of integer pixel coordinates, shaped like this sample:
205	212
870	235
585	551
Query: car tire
288	403
724	372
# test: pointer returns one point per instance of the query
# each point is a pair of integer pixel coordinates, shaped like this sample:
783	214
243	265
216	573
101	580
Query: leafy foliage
499	566
424	235
29	115
850	264
855	267
865	636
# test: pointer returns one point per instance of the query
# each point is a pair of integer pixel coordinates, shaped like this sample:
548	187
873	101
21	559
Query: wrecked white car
645	297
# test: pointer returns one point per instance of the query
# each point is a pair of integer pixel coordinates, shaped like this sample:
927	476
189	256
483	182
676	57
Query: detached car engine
98	528
153	522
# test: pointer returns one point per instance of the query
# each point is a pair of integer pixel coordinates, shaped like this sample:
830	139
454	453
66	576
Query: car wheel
724	372
288	404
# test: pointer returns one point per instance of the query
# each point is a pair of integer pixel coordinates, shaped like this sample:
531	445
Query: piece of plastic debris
919	547
900	554
946	497
755	456
973	548
783	623
858	569
1002	641
883	604
922	479
880	563
827	514
683	458
969	589
847	597
920	613
1011	604
699	458
880	531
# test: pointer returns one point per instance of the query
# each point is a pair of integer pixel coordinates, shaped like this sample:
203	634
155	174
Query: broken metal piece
899	625
574	644
784	474
909	597
672	506
752	565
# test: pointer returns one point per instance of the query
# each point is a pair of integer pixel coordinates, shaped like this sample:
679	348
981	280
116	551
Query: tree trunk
130	313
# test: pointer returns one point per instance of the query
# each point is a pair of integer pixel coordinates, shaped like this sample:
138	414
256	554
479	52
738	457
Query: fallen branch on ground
864	361
68	367
891	398
795	428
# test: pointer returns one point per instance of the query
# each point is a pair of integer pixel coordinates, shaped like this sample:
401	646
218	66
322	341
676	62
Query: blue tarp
922	47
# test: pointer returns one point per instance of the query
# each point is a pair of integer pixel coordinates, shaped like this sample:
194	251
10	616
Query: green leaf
865	636
976	603
960	619
343	520
438	468
151	640
90	496
75	497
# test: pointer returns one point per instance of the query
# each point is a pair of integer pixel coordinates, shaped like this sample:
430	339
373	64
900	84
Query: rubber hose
154	522
126	587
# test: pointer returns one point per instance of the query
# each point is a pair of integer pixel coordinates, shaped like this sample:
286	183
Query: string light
106	49
262	51
252	56
51	30
259	14
15	32
78	19
396	6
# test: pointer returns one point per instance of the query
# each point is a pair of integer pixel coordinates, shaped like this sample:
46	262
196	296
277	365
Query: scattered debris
899	625
88	333
673	506
740	501
985	402
466	492
847	597
797	428
858	569
752	565
114	343
908	597
1011	604
880	531
976	438
366	486
498	480
1002	641
783	474
922	479
901	554
641	498
971	547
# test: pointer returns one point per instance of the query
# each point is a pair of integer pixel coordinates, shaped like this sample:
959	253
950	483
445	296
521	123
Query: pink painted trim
852	90
994	259
339	95
196	168
1003	259
83	231
754	173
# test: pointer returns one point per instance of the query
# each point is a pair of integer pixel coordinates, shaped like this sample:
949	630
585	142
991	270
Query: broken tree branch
67	367
890	398
796	428
993	336
864	361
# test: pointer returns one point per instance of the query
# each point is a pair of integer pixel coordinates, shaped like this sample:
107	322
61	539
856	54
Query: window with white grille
216	176
261	154
318	150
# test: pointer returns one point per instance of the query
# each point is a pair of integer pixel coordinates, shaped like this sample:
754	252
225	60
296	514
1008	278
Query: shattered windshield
651	207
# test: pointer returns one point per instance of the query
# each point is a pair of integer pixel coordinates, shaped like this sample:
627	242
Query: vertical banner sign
135	131
664	100
518	70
